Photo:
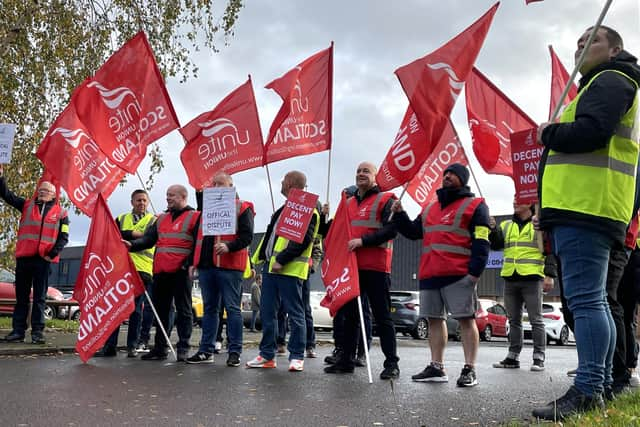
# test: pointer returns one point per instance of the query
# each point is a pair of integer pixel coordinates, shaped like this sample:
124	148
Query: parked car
63	310
405	313
8	291
197	306
491	319
554	324
321	317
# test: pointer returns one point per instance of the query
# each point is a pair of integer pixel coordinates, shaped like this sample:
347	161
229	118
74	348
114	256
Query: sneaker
154	355
538	365
361	362
106	352
508	363
281	350
131	352
311	353
634	379
339	368
431	374
217	348
233	359
261	362
467	377
390	373
572	402
296	365
142	348
37	339
200	357
572	373
333	358
182	355
14	337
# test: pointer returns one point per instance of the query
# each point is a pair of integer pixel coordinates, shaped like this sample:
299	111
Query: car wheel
49	312
76	316
421	331
458	336
564	336
486	334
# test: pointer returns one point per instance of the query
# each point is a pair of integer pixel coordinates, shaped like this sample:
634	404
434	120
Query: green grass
622	412
58	324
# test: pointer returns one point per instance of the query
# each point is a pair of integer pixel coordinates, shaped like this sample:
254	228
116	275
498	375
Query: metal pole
364	339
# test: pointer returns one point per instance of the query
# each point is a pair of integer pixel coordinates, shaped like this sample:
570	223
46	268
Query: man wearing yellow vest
42	233
527	273
286	266
132	225
221	262
586	189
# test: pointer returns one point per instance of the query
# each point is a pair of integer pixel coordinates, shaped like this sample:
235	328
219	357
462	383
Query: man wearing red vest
42	233
220	261
174	236
369	210
455	235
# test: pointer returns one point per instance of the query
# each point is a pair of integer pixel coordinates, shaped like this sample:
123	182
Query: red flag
423	186
106	285
125	105
340	267
70	155
303	124
432	84
559	80
228	138
492	118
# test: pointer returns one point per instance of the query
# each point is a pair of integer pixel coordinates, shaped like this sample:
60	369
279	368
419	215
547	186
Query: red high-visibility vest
446	242
175	241
365	218
232	260
631	238
37	235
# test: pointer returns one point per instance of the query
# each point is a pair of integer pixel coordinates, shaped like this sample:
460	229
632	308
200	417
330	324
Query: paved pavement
60	390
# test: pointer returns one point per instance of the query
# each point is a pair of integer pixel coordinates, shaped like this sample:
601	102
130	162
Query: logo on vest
455	84
363	211
446	218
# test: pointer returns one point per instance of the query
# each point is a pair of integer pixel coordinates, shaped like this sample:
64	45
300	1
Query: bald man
369	210
174	235
42	233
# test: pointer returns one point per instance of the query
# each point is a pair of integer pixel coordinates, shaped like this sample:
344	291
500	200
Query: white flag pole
364	339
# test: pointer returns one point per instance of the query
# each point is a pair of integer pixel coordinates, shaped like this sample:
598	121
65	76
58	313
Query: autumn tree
48	47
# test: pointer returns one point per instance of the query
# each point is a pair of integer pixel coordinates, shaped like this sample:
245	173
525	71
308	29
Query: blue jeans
288	290
308	314
147	312
584	255
221	288
254	316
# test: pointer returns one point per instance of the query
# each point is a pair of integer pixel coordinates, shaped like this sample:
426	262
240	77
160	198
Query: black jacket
598	112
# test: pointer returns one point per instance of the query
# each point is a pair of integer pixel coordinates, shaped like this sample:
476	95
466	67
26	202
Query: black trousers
626	354
375	285
338	327
618	259
168	288
30	272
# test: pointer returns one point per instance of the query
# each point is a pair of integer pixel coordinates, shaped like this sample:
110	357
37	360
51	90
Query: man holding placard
286	249
221	256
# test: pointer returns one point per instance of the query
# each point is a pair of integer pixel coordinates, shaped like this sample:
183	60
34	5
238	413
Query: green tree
48	47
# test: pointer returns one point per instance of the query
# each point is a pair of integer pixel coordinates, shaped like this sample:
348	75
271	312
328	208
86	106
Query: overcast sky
372	38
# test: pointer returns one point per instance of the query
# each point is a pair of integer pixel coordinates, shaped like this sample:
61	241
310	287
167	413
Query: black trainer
573	402
106	352
467	377
182	355
538	365
431	374
132	352
154	355
333	358
507	363
200	357
233	359
14	337
390	373
38	339
339	368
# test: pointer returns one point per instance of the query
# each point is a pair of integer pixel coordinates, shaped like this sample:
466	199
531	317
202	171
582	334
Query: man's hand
137	234
47	258
276	267
192	272
220	248
354	244
396	207
474	279
126	243
540	129
547	285
536	222
1	170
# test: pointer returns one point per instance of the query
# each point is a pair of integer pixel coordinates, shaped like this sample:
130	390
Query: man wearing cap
455	235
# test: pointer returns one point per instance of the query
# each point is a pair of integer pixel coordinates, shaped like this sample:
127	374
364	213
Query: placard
296	215
7	133
219	211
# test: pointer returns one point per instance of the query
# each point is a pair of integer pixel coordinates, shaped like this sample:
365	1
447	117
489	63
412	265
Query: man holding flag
455	248
42	233
587	187
372	235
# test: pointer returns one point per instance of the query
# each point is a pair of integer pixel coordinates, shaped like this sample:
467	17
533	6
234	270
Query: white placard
219	211
495	259
7	132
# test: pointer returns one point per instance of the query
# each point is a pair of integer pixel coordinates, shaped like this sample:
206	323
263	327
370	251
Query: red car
8	291
491	319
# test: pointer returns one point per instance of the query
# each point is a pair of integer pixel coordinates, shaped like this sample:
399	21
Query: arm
63	238
479	229
245	232
147	241
410	229
384	234
9	197
496	238
598	112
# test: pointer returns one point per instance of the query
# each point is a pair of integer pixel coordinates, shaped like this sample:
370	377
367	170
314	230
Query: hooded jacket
598	113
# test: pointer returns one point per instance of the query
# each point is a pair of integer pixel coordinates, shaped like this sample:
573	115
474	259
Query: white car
554	325
321	317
